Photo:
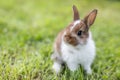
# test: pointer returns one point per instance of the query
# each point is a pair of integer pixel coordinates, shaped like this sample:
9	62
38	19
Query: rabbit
74	45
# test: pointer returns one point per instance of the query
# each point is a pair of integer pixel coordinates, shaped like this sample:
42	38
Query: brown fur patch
70	39
58	41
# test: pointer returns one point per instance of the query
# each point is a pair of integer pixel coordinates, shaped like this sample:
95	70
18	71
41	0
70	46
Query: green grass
28	29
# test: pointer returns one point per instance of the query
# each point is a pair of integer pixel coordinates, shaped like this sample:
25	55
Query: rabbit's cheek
71	40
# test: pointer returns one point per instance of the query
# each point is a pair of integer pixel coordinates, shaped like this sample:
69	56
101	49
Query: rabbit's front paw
56	67
88	69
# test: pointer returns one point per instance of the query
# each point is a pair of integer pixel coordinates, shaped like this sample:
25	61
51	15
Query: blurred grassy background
28	29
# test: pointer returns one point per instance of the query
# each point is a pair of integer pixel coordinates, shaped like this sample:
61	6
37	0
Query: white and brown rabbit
74	45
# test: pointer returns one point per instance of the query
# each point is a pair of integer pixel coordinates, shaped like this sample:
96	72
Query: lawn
28	29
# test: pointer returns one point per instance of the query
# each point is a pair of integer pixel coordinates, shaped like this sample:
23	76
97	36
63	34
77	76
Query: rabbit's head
78	31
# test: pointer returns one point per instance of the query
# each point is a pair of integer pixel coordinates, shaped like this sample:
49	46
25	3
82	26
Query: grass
28	29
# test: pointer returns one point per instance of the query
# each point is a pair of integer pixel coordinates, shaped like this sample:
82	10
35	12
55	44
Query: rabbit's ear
90	18
76	13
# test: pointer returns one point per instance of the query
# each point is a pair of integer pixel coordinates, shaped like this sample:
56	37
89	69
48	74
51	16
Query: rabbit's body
74	45
74	56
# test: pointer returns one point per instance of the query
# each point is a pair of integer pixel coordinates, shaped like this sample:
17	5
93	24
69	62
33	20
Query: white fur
74	56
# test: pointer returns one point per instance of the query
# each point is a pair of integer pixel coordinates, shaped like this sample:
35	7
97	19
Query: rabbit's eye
79	33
